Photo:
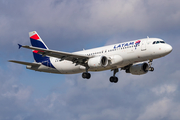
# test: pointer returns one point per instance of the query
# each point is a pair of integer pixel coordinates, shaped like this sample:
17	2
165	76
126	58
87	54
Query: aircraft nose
168	48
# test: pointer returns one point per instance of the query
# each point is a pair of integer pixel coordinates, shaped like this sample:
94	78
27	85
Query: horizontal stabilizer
19	46
25	63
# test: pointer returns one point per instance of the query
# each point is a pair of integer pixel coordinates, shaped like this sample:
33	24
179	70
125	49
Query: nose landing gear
150	68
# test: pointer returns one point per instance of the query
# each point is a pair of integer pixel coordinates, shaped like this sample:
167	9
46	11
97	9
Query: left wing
25	63
74	57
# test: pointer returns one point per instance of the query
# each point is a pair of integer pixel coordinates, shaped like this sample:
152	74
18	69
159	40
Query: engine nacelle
97	62
115	60
138	69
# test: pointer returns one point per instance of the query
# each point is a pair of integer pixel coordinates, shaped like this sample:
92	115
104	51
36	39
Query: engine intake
97	62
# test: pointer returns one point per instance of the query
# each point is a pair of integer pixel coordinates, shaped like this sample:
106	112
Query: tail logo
35	37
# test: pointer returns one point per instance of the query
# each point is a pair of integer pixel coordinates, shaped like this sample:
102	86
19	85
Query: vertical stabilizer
36	41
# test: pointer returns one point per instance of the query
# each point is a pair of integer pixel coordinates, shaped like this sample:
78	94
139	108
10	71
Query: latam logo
137	42
127	44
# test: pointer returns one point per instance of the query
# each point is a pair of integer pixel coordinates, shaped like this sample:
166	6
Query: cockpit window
157	42
162	42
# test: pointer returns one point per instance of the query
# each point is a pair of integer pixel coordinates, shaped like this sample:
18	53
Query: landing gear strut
86	74
114	78
150	63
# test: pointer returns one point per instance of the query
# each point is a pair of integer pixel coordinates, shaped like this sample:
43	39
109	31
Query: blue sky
71	25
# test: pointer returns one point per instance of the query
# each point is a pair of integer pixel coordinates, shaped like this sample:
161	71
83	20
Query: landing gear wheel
83	75
151	69
86	75
150	63
113	79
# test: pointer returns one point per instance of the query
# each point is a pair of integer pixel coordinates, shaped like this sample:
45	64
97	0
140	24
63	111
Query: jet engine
97	62
138	69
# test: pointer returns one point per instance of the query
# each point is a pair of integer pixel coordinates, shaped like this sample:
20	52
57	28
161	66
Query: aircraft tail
36	41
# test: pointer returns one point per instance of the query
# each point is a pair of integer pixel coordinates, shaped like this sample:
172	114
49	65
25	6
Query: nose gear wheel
150	63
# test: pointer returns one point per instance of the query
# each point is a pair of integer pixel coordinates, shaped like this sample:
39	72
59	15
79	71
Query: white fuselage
119	55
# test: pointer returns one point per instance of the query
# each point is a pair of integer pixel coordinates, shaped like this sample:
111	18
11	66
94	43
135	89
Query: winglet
19	46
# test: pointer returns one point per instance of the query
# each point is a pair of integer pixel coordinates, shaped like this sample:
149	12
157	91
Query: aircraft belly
136	56
42	68
67	67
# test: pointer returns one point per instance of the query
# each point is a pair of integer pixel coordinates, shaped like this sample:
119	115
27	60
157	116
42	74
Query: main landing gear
86	74
150	63
114	78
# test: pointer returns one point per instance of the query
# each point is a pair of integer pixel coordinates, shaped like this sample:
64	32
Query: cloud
158	110
80	22
164	109
164	89
13	95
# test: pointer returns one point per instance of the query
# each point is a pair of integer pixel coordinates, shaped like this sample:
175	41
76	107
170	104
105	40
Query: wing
25	63
74	57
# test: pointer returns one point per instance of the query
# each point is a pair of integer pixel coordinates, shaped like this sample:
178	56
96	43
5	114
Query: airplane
130	56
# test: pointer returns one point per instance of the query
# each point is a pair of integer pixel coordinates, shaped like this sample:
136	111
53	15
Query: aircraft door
143	45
